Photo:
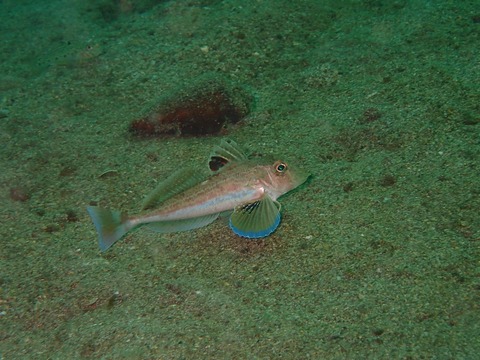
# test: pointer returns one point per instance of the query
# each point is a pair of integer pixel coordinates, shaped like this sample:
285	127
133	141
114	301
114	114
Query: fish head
282	177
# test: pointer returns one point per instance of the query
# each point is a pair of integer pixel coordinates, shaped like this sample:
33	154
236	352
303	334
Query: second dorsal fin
176	183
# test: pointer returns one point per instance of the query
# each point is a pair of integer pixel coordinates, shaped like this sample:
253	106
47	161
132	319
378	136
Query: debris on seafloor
205	108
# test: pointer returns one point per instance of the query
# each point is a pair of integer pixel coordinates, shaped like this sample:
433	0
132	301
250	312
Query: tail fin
111	225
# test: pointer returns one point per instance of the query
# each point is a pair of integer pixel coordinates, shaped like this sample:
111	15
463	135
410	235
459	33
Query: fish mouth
299	176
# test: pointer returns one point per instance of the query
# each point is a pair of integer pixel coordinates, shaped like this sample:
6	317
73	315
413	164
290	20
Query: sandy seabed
377	255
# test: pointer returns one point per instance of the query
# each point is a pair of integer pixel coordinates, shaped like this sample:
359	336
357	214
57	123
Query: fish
246	189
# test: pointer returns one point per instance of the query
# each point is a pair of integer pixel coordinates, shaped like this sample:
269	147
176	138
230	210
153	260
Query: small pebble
19	194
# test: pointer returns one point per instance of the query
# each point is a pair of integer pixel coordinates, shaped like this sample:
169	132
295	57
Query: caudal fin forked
110	224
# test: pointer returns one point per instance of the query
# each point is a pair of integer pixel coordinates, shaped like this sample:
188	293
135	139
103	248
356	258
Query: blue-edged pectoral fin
257	219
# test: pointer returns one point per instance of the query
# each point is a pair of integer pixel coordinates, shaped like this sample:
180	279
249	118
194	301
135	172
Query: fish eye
280	167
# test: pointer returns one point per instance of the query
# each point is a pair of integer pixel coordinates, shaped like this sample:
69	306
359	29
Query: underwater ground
377	255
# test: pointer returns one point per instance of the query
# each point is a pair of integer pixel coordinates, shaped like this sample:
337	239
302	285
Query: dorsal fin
176	183
226	152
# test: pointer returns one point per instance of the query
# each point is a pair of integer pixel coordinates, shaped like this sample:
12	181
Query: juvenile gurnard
246	188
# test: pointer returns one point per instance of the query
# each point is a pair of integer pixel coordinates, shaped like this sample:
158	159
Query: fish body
189	200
